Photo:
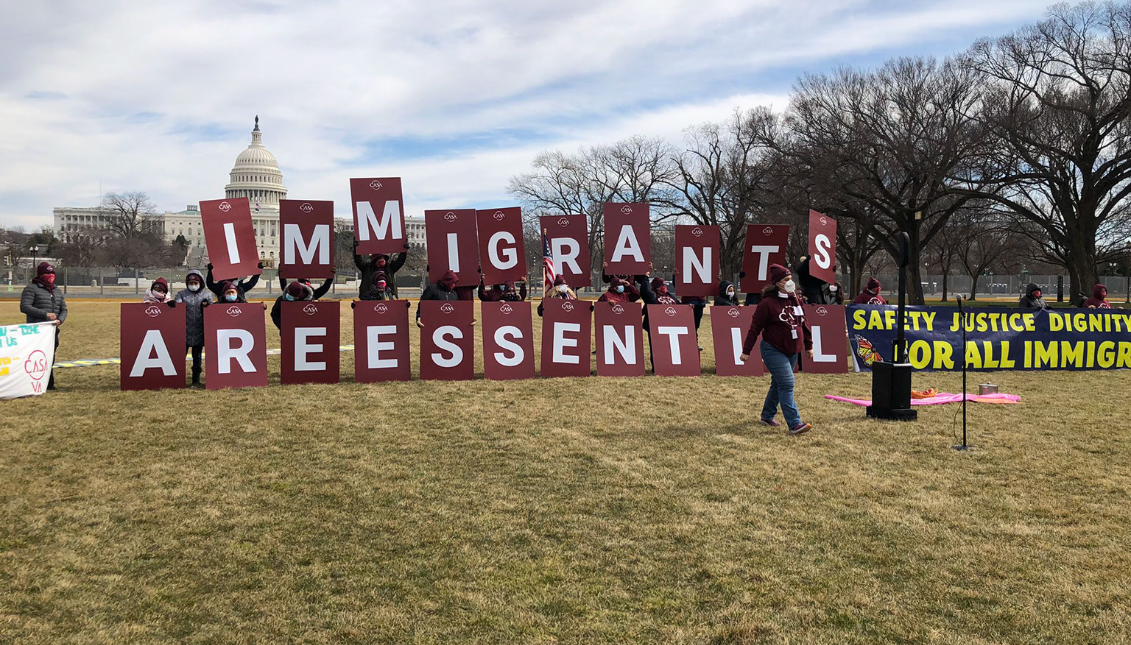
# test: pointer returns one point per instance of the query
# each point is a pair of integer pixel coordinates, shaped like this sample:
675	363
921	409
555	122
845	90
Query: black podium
891	382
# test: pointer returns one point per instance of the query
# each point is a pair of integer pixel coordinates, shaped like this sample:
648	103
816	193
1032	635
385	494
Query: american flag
547	263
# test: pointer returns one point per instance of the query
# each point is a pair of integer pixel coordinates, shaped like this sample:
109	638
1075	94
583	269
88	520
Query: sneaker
771	423
800	428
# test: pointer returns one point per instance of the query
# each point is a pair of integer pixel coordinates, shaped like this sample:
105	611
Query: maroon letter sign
830	339
620	339
697	260
229	238
235	345
378	215
675	351
452	243
508	341
569	246
380	341
766	244
822	246
447	345
728	331
628	239
502	255
566	337
152	346
311	334
307	239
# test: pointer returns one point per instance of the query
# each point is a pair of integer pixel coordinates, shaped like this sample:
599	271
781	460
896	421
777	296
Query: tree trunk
1082	274
945	278
914	276
974	287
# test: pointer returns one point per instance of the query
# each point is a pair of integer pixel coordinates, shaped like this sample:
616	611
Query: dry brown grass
557	510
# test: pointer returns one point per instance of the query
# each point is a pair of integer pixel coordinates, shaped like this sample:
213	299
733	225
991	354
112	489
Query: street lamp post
34	253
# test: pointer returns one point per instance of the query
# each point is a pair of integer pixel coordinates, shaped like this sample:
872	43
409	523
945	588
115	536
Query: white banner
26	355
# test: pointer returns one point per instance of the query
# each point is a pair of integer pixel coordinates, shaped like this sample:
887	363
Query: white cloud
159	96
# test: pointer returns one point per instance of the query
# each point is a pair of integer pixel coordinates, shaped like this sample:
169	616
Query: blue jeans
781	384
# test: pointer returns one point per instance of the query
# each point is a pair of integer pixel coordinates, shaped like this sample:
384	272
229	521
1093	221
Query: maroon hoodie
781	322
1098	299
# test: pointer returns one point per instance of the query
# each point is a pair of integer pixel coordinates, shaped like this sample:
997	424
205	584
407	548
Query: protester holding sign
812	288
296	291
618	291
195	298
369	265
241	286
780	321
1098	299
444	289
871	294
727	297
560	289
320	291
158	292
229	291
42	302
491	292
512	294
1032	299
379	290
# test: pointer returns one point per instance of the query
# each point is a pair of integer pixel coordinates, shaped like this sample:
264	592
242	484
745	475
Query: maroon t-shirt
781	322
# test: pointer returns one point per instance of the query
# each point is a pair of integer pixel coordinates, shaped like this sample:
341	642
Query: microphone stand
962	320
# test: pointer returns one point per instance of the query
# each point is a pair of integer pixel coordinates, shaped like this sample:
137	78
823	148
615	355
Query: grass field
556	511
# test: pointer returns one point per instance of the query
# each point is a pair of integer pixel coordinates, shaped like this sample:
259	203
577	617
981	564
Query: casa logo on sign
381	308
568	306
767	231
821	311
563	222
626	209
375	185
733	312
824	221
234	311
506	309
499	215
697	231
36	365
617	309
306	207
449	216
447	308
310	310
225	206
670	311
153	311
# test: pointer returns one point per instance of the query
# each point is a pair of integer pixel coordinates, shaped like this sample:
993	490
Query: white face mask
194	287
730	293
562	288
790	286
832	288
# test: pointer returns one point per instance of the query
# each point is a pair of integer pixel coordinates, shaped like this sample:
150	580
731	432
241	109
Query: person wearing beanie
871	294
1098	299
515	294
1033	299
491	292
242	286
194	297
371	264
379	290
296	291
617	291
728	295
229	291
780	321
444	289
158	292
320	291
560	290
42	302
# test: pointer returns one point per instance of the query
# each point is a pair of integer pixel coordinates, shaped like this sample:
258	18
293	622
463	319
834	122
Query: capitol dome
256	175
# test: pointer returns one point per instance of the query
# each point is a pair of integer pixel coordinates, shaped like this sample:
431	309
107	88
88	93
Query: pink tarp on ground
940	398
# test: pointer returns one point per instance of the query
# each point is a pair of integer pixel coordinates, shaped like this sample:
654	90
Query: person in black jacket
319	292
727	297
379	290
369	265
444	289
1033	299
242	286
511	294
294	292
811	287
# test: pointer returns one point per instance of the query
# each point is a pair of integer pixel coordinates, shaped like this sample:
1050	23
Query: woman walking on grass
780	320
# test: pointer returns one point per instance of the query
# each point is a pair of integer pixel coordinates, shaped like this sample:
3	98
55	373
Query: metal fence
1006	286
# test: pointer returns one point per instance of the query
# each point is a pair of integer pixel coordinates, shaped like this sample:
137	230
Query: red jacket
781	322
866	298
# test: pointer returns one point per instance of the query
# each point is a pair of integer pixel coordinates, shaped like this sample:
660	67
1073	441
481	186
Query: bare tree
132	230
1057	105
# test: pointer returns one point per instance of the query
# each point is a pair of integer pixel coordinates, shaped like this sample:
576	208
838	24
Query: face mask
562	288
49	278
380	263
832	288
381	285
289	297
730	293
194	287
487	288
620	288
1036	294
231	297
790	286
663	291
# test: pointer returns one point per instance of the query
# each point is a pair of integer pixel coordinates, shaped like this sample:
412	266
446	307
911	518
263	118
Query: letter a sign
378	215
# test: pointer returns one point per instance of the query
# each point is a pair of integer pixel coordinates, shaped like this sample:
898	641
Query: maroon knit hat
160	281
44	267
296	289
873	284
559	280
778	273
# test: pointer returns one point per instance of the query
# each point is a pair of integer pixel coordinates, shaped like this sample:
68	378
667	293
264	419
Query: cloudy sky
455	97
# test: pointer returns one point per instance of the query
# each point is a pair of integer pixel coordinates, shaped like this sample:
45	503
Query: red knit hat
559	280
778	273
44	267
873	284
164	284
296	289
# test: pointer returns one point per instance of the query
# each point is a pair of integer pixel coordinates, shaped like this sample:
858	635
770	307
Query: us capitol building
257	177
